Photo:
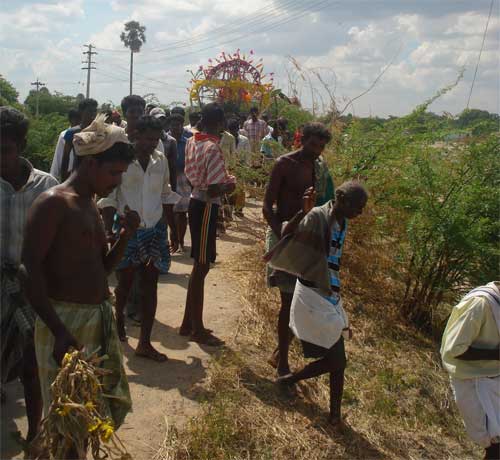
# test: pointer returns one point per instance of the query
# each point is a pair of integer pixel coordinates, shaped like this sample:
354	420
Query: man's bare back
291	176
74	263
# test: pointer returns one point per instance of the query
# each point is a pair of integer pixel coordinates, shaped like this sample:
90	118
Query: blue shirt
181	152
70	133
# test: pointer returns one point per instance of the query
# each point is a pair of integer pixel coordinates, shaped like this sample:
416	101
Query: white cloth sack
314	319
479	399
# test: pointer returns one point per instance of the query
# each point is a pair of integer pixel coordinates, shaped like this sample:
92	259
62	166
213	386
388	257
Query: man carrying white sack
311	248
471	354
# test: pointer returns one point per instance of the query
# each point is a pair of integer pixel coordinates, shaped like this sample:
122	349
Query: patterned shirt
14	210
256	130
205	165
337	243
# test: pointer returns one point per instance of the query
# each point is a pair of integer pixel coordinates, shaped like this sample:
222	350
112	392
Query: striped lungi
94	327
148	245
184	190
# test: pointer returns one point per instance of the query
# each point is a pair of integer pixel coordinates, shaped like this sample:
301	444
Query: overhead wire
480	52
263	27
264	12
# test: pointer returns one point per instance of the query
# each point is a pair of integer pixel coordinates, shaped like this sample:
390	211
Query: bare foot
273	360
174	247
206	338
338	425
185	331
147	351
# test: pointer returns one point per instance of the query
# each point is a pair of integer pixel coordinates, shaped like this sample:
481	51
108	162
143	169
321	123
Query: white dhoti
478	401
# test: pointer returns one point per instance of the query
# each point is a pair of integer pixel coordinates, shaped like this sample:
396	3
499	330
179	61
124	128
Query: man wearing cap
66	263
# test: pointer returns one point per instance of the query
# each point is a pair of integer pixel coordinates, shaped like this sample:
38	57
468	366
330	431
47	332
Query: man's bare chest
82	229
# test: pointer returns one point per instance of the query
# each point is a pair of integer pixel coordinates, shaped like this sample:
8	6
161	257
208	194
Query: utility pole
89	63
37	83
131	68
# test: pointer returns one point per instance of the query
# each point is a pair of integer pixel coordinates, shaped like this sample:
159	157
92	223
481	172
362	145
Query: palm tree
133	37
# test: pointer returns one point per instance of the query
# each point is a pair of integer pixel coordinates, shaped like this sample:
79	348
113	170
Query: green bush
42	139
437	202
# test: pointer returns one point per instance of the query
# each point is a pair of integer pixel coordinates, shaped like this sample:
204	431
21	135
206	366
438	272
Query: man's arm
271	197
108	206
44	219
108	215
479	354
129	224
308	201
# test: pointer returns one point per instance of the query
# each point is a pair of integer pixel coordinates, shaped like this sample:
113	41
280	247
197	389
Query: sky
340	46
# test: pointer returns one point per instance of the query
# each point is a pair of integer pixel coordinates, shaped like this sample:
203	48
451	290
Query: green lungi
94	327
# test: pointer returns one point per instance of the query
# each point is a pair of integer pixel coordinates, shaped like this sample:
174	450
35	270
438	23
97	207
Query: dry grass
397	398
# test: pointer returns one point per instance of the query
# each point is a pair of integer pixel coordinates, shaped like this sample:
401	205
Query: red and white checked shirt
205	165
256	130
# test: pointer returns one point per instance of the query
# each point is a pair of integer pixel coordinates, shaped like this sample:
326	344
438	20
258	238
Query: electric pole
89	63
131	68
38	84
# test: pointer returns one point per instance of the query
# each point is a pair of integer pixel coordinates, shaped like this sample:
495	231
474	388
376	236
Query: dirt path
162	390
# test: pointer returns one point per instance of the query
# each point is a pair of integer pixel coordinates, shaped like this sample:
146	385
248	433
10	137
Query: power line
38	84
321	5
89	63
230	28
480	52
224	29
262	26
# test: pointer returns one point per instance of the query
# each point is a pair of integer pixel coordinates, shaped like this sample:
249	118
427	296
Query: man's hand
111	238
63	342
308	200
129	222
229	188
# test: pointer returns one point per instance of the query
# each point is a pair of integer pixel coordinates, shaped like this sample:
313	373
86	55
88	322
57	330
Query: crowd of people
120	197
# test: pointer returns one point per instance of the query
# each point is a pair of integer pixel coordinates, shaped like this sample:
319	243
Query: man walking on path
66	263
291	176
311	249
470	350
88	112
20	185
256	129
207	174
145	188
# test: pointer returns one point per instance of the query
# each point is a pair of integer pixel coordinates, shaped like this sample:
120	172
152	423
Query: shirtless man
291	176
66	261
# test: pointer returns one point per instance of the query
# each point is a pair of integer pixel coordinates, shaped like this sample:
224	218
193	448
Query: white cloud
39	18
352	48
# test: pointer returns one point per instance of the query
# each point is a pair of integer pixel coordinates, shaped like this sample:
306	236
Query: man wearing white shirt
74	118
145	188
